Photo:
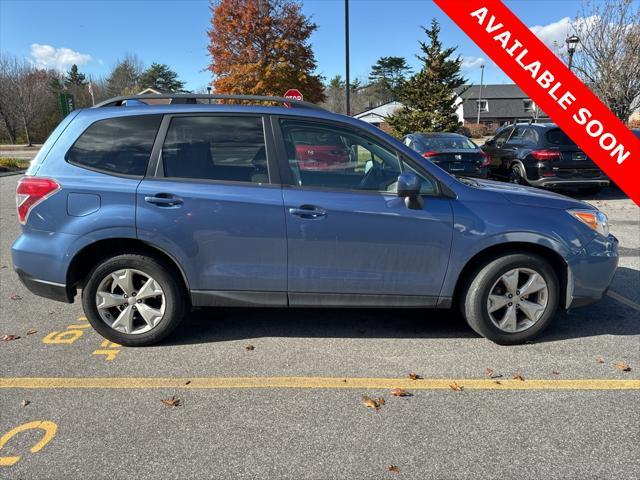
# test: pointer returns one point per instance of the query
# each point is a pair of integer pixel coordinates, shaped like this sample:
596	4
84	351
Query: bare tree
9	74
25	95
608	57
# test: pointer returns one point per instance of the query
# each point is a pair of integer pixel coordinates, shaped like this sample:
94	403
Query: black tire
164	274
590	190
516	175
475	297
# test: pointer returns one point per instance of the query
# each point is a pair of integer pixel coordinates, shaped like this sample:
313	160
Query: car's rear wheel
133	300
512	298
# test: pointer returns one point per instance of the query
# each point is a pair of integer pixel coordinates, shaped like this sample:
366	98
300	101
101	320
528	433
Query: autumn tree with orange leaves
261	47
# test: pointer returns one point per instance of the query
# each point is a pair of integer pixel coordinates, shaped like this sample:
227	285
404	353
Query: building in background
378	116
499	105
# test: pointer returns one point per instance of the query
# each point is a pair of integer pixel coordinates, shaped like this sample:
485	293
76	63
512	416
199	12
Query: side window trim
156	167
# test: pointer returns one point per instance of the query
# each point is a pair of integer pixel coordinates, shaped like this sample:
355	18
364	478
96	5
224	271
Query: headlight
594	219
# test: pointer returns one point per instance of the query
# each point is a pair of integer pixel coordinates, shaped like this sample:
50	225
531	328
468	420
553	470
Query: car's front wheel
512	298
133	300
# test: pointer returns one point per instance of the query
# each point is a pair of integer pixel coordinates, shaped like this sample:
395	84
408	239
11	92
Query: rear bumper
591	271
42	288
535	176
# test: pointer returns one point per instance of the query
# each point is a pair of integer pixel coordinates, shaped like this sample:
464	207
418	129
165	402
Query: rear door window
116	145
223	148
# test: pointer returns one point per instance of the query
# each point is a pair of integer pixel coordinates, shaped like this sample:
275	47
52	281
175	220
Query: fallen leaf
344	380
381	401
172	401
32	331
15	297
455	387
491	374
624	367
393	469
8	338
415	376
517	376
187	382
400	392
600	360
24	403
370	403
555	372
497	382
249	347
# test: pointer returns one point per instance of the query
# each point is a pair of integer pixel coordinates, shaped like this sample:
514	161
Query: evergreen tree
160	77
429	95
124	78
388	73
74	77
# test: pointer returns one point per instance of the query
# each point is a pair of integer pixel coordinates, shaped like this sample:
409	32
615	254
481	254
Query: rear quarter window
116	145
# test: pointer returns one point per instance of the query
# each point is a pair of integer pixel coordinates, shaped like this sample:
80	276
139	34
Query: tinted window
120	145
216	148
518	135
556	136
502	137
530	136
449	142
332	157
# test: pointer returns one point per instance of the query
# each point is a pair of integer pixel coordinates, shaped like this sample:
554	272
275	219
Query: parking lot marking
315	382
49	428
624	300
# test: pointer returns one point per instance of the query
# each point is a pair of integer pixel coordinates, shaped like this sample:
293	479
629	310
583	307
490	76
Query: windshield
437	144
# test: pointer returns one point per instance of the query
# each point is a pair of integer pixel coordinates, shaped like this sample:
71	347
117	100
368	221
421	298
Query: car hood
530	196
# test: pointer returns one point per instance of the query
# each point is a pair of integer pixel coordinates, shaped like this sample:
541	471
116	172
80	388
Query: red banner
550	84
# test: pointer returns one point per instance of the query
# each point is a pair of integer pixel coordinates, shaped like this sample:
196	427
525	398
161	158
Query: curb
15	172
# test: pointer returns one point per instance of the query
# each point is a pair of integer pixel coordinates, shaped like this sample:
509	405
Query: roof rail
182	98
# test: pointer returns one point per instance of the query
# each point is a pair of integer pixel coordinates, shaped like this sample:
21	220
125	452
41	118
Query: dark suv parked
542	155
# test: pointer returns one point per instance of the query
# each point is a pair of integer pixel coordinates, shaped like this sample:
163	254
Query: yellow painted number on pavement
49	429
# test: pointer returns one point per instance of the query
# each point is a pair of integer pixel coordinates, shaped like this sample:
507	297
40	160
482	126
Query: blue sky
96	33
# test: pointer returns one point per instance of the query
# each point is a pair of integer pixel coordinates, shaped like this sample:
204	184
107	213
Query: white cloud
470	63
554	34
47	56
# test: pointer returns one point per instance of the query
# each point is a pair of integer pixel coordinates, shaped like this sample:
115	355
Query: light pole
480	92
209	93
572	43
346	52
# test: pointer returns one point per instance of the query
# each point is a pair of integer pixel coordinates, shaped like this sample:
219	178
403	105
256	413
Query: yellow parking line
623	300
316	382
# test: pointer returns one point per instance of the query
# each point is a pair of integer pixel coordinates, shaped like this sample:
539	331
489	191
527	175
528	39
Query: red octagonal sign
293	94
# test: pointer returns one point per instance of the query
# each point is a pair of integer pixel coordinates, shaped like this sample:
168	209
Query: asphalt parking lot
292	406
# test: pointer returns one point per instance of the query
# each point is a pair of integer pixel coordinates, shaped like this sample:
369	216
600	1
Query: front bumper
591	271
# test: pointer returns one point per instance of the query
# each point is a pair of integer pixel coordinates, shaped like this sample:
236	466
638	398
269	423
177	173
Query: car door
495	150
351	239
211	201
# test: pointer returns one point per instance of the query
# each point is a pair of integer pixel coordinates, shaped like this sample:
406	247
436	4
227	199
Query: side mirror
409	189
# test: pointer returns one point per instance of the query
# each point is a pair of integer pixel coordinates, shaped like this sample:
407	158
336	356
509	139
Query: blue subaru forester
154	205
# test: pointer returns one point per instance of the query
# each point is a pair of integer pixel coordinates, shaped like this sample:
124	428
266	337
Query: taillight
429	154
546	155
30	192
486	160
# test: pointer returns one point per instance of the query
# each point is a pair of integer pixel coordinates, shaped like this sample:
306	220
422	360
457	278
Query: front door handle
164	200
308	212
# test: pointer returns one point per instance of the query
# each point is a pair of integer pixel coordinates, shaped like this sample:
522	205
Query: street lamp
572	43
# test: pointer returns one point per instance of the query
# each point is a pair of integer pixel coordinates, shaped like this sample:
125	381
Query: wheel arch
481	258
87	258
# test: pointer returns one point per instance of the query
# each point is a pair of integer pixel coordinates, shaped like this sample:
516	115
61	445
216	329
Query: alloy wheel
130	301
517	300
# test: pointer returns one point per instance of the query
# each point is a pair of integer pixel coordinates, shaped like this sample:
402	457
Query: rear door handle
164	200
308	212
